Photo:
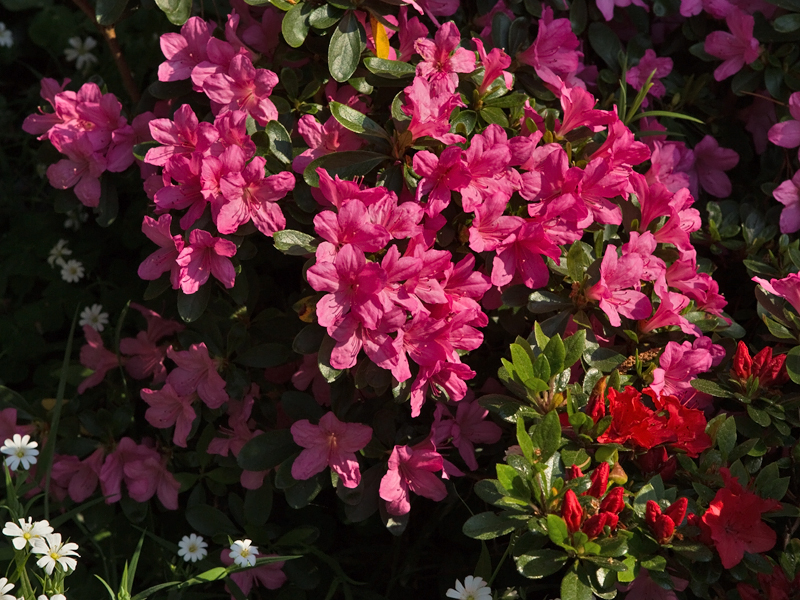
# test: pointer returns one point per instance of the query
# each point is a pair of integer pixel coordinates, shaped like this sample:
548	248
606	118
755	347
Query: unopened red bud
652	460
593	526
669	468
574	472
761	360
663	529
742	363
774	373
677	511
571	511
614	501
599	480
596	407
651	513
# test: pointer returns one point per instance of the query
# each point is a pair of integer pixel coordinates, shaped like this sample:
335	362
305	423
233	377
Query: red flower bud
599	480
663	529
614	501
774	373
574	472
596	407
571	511
651	513
593	526
652	460
677	511
761	360
742	363
669	468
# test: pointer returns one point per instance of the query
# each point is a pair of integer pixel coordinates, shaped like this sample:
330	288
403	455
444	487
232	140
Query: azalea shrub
368	299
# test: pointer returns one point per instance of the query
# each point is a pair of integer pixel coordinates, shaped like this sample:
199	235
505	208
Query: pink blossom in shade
606	7
168	408
112	473
621	150
554	54
436	8
220	54
8	424
351	336
521	255
680	363
485	21
494	64
471	427
157	326
668	313
736	48
41	123
197	372
145	358
786	134
351	225
240	429
616	275
759	118
249	195
719	9
148	477
411	469
94	356
670	164
322	140
81	169
261	33
442	59
637	76
710	163
490	228
188	194
232	128
308	374
430	112
644	588
441	176
184	50
244	88
332	443
409	31
353	283
788	288
183	135
78	477
206	255
269	575
162	260
449	377
788	194
213	169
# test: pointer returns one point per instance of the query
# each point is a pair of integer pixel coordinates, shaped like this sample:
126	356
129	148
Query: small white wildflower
6	39
55	551
474	588
72	271
94	317
20	450
81	52
243	554
192	548
75	218
26	532
6	587
56	597
58	252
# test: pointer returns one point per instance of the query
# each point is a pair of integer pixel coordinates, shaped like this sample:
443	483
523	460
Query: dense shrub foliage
364	299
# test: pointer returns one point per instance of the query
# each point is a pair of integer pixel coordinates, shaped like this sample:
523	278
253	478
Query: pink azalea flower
183	135
710	162
668	313
759	119
248	195
184	50
148	477
637	76
162	260
521	254
322	140
471	427
409	31
94	356
736	48
430	112
680	363
411	469
240	429
441	176
786	134
449	377
617	274
205	255
40	124
244	88
644	588
167	408
197	372
113	473
78	477
232	127
788	288
270	575
351	225
788	194
490	228
435	8
579	111
488	160
145	358
719	9
494	64
554	54
607	6
82	168
8	424
442	59
485	21
333	444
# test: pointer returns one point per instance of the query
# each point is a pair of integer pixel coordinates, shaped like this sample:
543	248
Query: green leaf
524	440
294	243
344	51
557	530
280	144
523	364
793	364
574	346
309	339
177	11
726	437
547	435
494	116
391	69
539	336
710	387
295	24
348	164
510	479
488	525
555	353
357	122
665	113
572	588
267	450
541	368
108	12
299	405
325	16
192	306
606	43
209	521
604	359
265	356
541	563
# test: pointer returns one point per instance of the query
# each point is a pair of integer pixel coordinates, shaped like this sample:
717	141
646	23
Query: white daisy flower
58	252
474	588
56	597
26	532
94	317
81	52
243	554
20	450
55	551
72	271
6	587
192	548
6	39
75	218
